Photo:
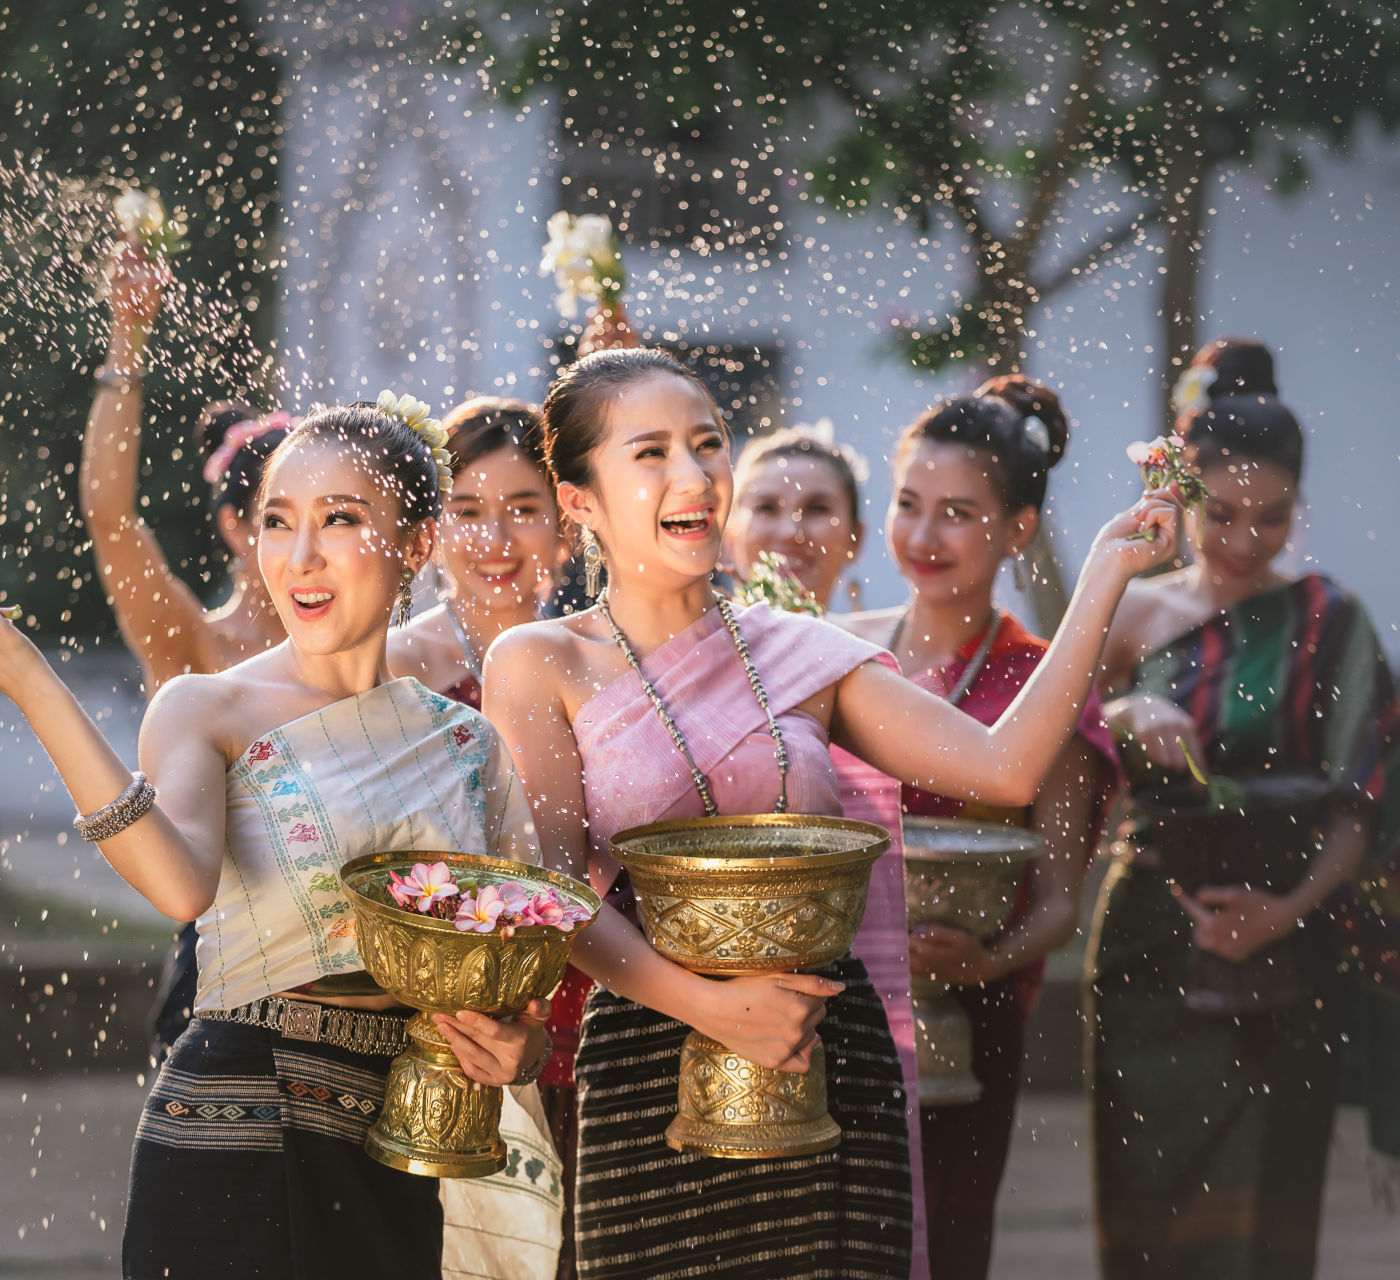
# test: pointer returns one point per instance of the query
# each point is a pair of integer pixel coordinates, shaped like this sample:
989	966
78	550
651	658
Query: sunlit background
839	211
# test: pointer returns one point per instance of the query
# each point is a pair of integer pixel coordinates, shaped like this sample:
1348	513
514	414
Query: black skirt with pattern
250	1161
644	1210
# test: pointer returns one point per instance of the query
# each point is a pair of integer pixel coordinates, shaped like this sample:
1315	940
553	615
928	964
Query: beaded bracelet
133	803
528	1075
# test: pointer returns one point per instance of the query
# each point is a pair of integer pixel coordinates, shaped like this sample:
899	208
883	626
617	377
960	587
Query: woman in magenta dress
667	701
969	483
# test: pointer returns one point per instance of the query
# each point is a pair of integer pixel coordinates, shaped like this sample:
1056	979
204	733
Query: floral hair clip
1037	434
418	417
1192	391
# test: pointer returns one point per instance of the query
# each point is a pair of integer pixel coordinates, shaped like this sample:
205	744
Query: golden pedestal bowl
435	1119
966	875
725	896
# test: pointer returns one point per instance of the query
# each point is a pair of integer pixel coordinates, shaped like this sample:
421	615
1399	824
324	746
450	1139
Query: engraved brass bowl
435	1120
771	893
965	875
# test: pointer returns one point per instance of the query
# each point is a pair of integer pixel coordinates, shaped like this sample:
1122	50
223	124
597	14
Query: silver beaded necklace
702	783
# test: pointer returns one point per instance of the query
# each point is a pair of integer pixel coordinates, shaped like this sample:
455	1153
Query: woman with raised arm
271	775
605	710
970	478
1212	1098
161	620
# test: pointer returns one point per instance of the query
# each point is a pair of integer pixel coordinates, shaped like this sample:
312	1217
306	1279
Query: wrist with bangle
123	380
113	818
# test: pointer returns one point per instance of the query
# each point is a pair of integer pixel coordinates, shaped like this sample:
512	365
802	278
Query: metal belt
374	1033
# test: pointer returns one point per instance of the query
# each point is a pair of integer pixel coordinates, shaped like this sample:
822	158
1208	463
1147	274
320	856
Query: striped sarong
250	1161
645	1210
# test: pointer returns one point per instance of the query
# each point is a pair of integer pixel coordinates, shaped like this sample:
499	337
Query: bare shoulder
874	625
189	708
427	649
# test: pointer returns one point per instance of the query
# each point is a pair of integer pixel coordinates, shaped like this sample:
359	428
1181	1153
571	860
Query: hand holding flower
1162	467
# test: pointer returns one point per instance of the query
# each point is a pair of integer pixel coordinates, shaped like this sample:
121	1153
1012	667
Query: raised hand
1142	537
135	287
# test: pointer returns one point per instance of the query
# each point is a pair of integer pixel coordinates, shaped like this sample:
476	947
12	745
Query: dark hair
799	442
389	447
995	421
1243	366
215	420
242	478
487	423
1257	427
573	420
1242	414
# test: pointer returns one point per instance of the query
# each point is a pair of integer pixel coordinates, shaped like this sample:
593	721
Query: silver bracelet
115	379
528	1075
133	803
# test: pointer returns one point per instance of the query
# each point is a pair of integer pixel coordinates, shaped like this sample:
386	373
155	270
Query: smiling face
1245	519
500	534
332	547
947	526
796	507
661	482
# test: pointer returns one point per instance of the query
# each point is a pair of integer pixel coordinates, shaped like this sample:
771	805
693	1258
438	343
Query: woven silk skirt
250	1161
644	1210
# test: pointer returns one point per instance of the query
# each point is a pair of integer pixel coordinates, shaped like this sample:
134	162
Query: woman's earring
592	564
1020	575
404	608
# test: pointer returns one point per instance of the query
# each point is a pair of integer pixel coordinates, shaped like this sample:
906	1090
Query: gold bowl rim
524	872
1016	844
877	842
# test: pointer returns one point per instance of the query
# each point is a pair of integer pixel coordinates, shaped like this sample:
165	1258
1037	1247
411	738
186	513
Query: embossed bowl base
737	1110
943	1042
435	1120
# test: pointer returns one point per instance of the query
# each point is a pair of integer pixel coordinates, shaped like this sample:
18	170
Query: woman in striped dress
752	701
1211	1129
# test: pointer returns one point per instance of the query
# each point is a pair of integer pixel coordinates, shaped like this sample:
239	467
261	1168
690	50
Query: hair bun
1036	404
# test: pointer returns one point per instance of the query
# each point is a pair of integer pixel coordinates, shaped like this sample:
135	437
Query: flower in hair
1037	434
418	417
1192	391
584	257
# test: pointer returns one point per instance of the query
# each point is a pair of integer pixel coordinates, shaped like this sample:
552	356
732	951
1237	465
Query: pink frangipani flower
479	913
425	885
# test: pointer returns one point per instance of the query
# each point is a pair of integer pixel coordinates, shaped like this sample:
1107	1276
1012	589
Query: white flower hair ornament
1192	391
1037	434
418	418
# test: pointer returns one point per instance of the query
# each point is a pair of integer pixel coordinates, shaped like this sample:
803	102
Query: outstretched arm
770	1020
920	739
171	856
160	618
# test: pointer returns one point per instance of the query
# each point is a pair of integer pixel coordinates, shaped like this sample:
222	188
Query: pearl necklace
702	783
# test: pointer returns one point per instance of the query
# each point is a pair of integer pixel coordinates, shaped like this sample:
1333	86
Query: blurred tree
173	94
1053	133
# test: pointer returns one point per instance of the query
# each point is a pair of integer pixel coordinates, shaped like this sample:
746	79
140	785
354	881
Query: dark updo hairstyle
388	447
485	424
1243	416
800	442
994	421
575	420
240	479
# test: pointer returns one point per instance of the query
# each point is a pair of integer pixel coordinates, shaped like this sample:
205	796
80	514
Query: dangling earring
1020	575
592	564
404	607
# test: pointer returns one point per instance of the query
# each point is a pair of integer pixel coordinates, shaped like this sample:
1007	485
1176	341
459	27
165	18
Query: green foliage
918	107
176	96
